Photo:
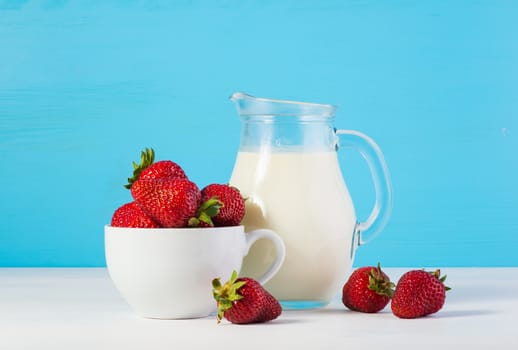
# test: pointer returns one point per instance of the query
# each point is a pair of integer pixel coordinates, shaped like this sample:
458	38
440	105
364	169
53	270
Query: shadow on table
441	314
465	313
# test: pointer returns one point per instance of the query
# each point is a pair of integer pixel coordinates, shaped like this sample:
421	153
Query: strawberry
171	202
368	289
232	204
419	293
148	169
243	300
131	215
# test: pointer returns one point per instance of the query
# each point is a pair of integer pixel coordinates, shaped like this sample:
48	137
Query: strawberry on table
131	215
368	289
171	202
243	300
149	169
419	293
232	204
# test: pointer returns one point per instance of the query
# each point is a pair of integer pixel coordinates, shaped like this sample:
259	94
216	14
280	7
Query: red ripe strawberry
244	300
368	289
419	293
131	215
148	169
232	208
170	201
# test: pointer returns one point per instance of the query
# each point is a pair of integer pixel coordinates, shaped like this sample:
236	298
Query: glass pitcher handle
378	218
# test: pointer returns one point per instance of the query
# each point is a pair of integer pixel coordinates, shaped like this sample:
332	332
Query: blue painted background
85	85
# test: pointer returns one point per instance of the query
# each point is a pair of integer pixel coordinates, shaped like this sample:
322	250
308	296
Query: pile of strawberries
163	196
418	293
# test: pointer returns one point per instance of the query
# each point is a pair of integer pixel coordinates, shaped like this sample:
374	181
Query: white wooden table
79	308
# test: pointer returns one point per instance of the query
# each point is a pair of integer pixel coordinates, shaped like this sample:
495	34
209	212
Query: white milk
303	197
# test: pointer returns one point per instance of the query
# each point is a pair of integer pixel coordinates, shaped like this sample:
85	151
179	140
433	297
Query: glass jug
287	169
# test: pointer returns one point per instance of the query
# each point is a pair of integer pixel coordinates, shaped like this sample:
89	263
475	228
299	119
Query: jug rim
248	105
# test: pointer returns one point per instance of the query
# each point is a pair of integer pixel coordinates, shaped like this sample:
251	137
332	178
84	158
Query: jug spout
239	96
242	101
248	105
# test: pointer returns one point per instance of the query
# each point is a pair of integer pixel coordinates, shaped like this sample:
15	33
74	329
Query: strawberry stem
147	157
205	212
226	294
437	274
379	283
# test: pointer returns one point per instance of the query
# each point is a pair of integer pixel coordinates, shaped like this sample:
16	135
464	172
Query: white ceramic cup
166	273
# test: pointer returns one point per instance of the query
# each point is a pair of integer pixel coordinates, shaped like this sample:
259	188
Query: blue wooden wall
85	85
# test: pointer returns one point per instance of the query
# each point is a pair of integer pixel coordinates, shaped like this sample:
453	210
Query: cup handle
280	250
378	218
